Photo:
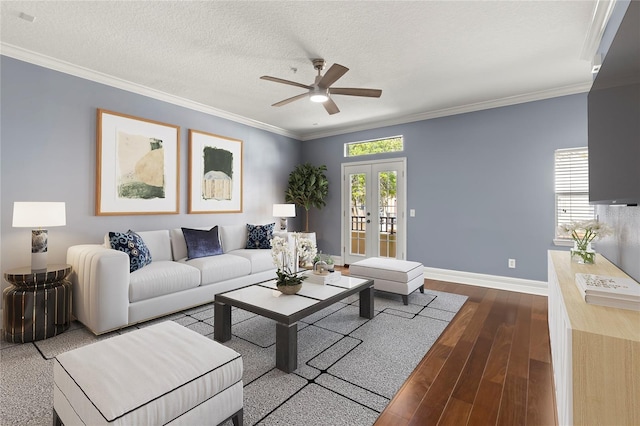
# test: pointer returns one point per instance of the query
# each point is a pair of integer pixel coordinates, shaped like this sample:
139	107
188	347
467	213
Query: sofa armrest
100	278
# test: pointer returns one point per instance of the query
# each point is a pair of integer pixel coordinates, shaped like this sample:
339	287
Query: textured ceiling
429	58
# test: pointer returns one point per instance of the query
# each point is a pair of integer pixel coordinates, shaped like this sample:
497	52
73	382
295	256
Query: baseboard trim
519	285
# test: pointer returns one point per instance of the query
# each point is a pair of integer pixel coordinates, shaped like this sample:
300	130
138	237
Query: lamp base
39	243
283	223
39	261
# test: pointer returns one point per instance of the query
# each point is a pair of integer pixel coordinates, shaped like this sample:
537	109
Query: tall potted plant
308	187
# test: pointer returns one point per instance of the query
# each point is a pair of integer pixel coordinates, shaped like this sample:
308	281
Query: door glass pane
387	210
358	190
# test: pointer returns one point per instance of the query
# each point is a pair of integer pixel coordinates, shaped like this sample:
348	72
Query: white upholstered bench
391	275
158	375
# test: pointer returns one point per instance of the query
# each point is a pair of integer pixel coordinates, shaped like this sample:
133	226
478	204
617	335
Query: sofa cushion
233	237
133	245
158	242
224	267
259	236
201	243
261	260
160	278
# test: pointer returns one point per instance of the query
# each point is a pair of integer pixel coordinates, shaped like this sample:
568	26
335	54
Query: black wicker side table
37	305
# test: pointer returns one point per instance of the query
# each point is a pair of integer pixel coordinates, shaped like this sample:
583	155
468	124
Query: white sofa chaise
106	296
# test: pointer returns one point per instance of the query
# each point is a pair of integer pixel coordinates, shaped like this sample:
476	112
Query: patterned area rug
349	367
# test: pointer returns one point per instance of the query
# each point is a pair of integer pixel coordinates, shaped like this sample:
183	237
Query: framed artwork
215	173
137	165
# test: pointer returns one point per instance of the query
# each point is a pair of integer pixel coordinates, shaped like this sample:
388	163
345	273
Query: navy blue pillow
132	244
258	236
201	243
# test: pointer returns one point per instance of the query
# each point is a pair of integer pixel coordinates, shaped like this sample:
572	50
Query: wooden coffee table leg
366	303
222	322
287	347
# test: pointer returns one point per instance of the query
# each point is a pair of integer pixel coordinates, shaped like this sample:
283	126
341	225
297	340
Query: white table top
267	297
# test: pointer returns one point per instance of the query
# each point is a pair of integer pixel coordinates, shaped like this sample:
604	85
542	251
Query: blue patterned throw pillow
201	243
258	236
132	244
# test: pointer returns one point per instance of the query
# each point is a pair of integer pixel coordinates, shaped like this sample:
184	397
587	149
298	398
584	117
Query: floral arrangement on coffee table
287	266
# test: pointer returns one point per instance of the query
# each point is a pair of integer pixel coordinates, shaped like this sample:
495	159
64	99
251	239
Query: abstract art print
215	173
137	165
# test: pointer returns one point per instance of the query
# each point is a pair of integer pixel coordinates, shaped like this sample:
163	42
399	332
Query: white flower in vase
284	260
306	250
583	233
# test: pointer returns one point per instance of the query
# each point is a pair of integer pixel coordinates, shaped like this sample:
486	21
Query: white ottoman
391	275
162	374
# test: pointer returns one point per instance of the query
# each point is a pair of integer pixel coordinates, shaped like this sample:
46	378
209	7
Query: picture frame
137	165
215	173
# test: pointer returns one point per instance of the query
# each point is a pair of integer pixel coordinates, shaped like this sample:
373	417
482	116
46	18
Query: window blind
572	186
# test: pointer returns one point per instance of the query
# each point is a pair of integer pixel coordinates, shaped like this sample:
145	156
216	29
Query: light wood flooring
491	366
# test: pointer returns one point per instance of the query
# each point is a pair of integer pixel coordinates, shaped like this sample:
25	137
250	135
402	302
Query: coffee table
286	310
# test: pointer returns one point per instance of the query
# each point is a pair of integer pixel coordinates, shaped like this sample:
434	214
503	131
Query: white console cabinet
595	350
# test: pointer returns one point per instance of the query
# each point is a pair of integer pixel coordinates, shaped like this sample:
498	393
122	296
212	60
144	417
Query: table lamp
38	215
283	211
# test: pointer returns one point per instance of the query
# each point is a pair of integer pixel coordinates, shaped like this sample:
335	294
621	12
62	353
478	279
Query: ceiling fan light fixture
318	95
320	91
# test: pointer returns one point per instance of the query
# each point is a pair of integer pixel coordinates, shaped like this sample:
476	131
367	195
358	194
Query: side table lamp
38	215
283	211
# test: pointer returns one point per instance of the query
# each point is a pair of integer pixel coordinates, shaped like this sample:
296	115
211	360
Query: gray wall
48	151
481	184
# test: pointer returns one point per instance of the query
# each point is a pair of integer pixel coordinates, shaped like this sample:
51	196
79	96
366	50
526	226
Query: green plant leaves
308	187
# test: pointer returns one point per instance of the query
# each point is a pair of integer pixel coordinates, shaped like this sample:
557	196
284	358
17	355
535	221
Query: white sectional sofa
106	296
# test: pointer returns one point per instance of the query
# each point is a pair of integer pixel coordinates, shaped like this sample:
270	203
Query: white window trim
346	146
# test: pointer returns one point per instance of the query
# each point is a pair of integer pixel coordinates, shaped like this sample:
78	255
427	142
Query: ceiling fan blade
331	106
290	83
371	93
332	75
289	100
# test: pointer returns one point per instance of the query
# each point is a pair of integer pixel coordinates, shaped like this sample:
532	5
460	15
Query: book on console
615	292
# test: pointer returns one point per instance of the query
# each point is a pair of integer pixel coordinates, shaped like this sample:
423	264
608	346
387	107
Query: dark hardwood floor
491	366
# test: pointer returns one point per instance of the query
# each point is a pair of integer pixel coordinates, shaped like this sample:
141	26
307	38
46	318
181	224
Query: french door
373	206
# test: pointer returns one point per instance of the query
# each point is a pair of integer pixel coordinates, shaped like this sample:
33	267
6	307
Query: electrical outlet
512	263
412	212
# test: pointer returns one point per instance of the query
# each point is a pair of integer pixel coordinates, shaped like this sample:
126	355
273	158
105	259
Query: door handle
368	220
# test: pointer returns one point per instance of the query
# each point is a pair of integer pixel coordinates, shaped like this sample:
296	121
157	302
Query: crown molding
463	109
599	19
98	77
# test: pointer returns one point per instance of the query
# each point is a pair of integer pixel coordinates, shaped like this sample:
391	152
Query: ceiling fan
320	91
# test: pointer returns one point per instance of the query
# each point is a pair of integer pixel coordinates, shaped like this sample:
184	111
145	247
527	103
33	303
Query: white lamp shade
284	210
38	214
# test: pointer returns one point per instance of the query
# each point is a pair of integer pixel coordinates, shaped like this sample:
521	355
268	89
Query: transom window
374	146
572	187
